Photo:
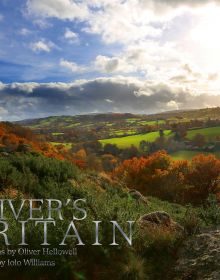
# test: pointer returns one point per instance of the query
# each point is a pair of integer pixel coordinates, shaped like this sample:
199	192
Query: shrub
210	211
191	221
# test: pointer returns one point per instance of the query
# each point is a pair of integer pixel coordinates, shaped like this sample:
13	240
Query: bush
36	175
210	212
191	221
9	176
134	268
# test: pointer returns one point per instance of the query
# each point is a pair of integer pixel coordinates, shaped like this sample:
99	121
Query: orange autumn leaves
205	175
178	181
14	138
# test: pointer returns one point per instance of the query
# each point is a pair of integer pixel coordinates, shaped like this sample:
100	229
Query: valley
190	132
122	177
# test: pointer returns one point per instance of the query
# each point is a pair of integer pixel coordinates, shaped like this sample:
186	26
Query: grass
57	133
109	124
138	121
72	125
132	120
188	155
124	142
209	133
158	122
181	155
122	132
66	145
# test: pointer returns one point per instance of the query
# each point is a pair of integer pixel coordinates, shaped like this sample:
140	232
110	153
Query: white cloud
71	36
42	46
172	105
116	23
3	112
122	21
176	3
101	64
154	60
62	9
107	64
1	17
213	76
109	100
25	87
128	81
42	23
25	31
164	41
72	66
2	86
113	20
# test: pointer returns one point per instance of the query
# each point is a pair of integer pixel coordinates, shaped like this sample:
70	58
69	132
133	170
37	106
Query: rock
199	258
159	219
4	154
138	196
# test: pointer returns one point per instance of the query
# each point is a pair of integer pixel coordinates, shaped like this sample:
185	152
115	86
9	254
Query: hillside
127	141
160	226
15	138
126	130
36	176
109	119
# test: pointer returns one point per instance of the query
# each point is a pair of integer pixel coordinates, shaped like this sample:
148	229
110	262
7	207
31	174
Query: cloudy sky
61	57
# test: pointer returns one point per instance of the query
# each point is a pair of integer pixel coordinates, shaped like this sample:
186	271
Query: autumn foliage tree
204	176
177	181
15	138
147	174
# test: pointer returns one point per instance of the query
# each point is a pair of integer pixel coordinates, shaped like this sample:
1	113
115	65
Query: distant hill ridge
67	121
189	112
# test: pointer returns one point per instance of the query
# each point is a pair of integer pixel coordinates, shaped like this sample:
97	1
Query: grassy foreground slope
25	175
124	142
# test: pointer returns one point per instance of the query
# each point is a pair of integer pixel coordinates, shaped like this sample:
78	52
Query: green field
66	145
158	122
57	133
181	155
124	142
138	121
132	120
72	125
121	132
209	133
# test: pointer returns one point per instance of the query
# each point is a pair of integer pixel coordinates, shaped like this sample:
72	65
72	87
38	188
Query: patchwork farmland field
124	142
210	133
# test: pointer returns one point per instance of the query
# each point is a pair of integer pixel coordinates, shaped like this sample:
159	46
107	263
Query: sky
67	57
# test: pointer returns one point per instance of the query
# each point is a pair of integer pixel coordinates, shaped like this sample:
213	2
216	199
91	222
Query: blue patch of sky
18	62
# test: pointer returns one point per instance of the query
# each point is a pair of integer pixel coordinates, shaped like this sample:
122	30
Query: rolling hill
125	129
124	142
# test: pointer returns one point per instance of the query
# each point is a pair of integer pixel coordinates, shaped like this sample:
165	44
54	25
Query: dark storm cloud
32	100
